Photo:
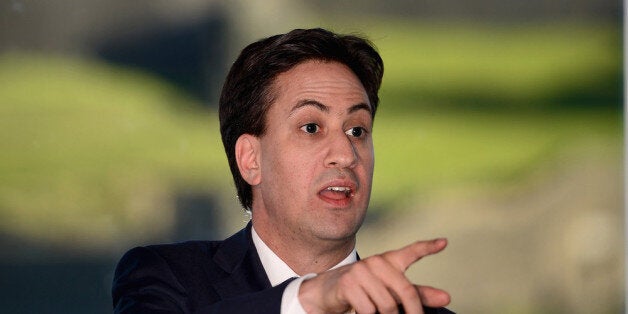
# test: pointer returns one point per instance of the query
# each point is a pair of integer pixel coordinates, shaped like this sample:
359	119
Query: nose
341	153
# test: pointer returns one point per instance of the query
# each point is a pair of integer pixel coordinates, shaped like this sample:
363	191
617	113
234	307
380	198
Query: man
296	118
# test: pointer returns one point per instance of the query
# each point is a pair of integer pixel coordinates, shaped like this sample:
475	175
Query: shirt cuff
290	303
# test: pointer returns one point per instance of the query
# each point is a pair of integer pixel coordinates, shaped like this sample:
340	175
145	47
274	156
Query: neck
304	255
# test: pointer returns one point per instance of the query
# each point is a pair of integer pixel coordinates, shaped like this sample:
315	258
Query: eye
310	128
356	131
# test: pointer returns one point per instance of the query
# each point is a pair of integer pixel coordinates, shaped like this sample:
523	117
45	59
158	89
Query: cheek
299	167
288	167
367	157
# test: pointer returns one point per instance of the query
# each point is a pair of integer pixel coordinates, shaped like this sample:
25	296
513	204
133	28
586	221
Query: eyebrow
324	108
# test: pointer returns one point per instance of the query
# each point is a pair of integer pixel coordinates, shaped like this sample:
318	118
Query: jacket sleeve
145	283
261	302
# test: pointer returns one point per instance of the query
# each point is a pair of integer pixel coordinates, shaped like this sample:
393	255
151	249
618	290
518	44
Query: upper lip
340	183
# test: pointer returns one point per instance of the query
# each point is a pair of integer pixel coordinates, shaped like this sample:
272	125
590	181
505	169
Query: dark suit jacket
198	277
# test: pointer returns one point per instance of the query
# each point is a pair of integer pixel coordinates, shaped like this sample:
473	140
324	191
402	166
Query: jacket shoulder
175	274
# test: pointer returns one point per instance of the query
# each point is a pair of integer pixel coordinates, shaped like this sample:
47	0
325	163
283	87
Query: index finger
409	254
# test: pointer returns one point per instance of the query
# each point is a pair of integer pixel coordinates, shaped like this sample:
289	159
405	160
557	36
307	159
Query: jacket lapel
244	272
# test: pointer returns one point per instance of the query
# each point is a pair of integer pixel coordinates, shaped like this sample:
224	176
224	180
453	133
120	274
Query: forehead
332	83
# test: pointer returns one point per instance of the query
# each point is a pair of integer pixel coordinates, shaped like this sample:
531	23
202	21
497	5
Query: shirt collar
276	269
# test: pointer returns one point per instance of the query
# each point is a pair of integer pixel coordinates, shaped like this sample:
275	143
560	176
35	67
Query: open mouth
337	193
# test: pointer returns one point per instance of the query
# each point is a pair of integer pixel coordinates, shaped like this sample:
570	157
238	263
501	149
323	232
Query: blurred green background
500	127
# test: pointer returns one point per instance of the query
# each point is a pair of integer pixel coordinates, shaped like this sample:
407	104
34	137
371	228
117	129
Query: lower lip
338	203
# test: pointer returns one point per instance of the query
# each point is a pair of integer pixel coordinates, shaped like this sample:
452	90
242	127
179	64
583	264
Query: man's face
317	156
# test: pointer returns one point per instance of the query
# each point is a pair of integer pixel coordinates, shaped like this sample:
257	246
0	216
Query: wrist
309	296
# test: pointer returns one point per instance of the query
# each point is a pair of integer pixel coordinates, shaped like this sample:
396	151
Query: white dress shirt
278	271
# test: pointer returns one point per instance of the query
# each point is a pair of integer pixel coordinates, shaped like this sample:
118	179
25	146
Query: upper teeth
339	188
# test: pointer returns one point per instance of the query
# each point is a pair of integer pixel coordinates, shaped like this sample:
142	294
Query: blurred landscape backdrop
500	127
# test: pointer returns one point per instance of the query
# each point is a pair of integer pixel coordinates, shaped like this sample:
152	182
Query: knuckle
389	307
408	291
376	260
358	268
369	266
365	308
409	296
346	282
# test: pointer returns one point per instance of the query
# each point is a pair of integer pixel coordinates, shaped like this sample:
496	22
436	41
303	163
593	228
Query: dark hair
247	91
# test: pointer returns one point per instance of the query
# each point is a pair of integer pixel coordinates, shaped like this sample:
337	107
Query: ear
247	155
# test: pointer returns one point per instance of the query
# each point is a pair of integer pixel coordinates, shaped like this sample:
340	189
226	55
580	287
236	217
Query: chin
339	231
